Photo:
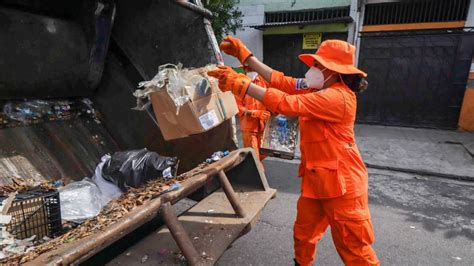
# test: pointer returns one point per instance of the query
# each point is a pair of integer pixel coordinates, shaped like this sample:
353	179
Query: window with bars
416	11
307	16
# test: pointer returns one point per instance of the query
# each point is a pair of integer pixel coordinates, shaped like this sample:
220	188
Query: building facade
417	53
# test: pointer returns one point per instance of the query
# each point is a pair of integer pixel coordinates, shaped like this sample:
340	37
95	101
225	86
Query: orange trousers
253	140
351	229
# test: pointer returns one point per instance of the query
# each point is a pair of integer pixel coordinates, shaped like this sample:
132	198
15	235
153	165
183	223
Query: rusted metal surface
231	196
68	150
84	248
179	234
211	231
81	250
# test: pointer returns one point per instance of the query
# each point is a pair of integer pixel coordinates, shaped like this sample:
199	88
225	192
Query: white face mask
252	75
315	78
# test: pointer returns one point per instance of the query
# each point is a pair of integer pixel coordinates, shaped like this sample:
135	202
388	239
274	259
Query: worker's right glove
260	114
236	48
229	80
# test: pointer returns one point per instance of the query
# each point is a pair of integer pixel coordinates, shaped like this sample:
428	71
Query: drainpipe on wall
470	15
360	21
354	14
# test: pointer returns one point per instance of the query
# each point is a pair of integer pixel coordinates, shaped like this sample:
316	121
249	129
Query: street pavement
418	220
444	153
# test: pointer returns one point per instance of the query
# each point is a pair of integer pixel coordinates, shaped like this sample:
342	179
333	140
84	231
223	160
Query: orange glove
236	48
260	114
229	80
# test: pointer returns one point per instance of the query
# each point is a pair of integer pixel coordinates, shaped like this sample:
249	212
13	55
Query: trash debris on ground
18	185
7	203
11	246
5	219
280	137
21	113
164	252
144	258
134	168
216	156
179	258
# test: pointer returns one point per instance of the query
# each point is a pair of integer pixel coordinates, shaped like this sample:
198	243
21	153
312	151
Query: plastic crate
280	137
35	213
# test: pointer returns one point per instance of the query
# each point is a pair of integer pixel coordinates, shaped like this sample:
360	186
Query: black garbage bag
136	167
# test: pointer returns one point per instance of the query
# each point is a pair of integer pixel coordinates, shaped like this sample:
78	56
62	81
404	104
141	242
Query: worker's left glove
229	80
236	48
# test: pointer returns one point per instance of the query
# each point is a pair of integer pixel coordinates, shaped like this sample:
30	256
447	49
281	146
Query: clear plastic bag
108	189
180	84
80	201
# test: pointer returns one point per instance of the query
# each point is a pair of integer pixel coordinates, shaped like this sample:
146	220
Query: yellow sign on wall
311	40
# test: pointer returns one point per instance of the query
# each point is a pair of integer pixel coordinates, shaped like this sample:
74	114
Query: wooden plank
414	26
211	224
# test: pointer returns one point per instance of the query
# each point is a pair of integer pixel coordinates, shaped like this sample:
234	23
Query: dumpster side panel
152	33
67	150
147	34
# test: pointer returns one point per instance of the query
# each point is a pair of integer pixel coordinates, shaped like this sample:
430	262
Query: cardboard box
198	115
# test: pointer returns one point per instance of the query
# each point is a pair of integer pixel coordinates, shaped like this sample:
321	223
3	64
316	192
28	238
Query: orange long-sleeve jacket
331	165
248	123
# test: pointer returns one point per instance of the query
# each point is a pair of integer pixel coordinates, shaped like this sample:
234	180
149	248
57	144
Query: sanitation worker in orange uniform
334	178
253	116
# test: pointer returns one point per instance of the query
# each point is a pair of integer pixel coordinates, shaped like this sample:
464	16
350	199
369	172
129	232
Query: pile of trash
119	202
9	244
114	175
110	214
20	113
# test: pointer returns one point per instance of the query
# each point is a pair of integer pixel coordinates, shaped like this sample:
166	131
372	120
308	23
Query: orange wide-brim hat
336	55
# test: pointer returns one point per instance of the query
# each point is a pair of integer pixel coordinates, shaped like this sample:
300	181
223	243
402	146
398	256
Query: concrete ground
434	152
418	220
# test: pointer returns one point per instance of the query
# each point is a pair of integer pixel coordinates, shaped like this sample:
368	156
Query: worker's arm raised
277	79
235	47
328	105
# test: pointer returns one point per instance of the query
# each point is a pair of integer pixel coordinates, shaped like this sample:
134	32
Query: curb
420	172
296	160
